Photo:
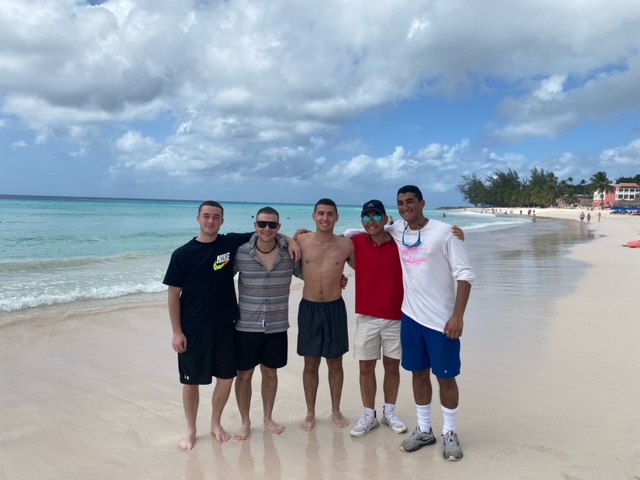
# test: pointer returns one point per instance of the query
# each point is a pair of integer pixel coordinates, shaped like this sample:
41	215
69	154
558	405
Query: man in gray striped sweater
265	269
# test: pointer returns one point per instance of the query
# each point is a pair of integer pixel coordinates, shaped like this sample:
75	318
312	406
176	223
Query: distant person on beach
379	295
581	216
599	215
437	279
265	270
322	315
203	309
588	217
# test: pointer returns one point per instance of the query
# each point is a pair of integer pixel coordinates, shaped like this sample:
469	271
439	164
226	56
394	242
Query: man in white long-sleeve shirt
437	279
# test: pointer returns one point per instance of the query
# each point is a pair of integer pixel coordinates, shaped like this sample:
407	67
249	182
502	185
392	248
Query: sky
290	101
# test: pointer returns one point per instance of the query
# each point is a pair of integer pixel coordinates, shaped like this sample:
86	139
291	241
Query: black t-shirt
204	271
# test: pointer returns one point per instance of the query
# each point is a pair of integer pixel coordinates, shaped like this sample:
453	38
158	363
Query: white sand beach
97	397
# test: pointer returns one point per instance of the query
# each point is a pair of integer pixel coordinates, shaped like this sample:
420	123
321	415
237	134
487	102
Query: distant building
583	201
624	194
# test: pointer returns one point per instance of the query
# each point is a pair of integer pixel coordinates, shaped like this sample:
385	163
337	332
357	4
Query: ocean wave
40	299
49	264
497	225
468	213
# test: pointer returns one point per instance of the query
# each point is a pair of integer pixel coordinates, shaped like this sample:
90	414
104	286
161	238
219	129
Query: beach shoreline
97	396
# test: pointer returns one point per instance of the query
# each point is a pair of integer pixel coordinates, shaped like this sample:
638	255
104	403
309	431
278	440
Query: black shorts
255	348
322	329
209	354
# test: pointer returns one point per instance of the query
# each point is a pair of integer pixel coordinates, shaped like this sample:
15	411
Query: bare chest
268	260
325	256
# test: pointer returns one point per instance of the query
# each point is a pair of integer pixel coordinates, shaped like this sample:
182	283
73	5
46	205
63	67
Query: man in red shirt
379	295
378	300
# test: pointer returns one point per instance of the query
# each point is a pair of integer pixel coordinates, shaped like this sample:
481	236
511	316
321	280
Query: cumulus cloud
431	166
549	110
18	144
625	155
248	89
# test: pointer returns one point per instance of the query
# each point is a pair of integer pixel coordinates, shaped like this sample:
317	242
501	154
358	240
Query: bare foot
308	423
339	419
187	442
220	434
273	426
243	433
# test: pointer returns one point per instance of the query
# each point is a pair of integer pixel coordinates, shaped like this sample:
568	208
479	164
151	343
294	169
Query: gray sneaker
451	447
392	421
417	440
365	425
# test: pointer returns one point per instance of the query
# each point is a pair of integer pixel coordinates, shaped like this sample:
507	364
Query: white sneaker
365	424
392	421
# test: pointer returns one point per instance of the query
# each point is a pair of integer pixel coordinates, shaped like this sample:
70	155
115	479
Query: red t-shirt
379	289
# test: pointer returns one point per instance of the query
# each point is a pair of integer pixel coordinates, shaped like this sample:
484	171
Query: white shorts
376	334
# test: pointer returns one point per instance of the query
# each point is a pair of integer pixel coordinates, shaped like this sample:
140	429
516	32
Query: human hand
300	231
457	232
344	281
179	342
453	327
295	252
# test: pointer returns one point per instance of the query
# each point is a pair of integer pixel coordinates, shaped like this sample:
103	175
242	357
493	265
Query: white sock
449	417
389	408
370	411
424	417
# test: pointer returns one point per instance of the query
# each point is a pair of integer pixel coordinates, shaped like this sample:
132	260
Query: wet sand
549	387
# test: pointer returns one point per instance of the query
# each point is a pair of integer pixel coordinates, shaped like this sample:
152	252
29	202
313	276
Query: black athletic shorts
255	348
209	354
322	329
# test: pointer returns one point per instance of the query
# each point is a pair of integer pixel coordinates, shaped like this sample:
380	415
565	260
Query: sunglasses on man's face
271	225
367	218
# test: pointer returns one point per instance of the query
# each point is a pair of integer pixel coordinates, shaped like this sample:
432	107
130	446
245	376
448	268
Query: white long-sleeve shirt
431	271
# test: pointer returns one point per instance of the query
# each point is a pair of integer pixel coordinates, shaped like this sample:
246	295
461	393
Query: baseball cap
375	205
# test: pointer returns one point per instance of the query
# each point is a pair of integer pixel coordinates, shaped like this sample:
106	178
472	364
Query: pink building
625	194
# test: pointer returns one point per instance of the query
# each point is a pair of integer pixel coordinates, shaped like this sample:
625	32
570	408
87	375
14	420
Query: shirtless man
322	315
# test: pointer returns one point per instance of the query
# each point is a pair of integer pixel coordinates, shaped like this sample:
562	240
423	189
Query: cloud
434	166
549	110
133	141
622	156
18	144
183	91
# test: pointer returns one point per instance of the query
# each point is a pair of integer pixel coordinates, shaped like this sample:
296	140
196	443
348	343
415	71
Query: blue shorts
424	348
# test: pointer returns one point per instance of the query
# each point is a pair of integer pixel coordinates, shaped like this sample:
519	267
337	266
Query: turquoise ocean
61	254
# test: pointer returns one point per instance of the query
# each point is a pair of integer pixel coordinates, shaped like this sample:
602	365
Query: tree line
541	188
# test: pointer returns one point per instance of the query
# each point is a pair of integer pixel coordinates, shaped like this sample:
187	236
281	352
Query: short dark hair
268	211
325	201
210	203
411	189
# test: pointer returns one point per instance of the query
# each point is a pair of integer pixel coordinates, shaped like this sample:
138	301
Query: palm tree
600	182
583	182
570	198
